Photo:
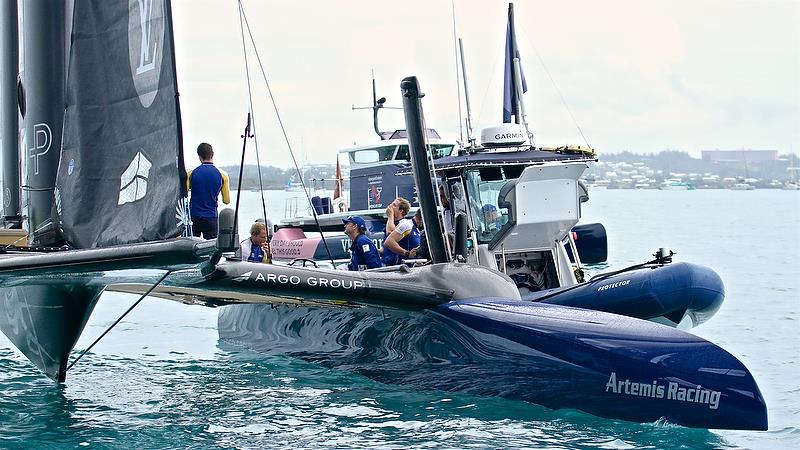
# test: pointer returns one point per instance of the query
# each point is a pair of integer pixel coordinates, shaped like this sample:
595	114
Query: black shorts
207	226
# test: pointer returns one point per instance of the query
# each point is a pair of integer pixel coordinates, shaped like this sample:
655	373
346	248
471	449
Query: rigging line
241	170
560	95
603	276
118	320
260	176
43	226
458	79
285	136
432	168
252	111
26	187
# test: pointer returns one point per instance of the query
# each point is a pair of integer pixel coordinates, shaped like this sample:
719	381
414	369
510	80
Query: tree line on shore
271	177
672	161
668	161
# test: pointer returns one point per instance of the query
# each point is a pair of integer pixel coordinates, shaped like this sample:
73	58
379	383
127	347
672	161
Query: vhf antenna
377	103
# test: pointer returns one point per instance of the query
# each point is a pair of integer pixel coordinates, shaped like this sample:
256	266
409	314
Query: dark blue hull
607	365
669	293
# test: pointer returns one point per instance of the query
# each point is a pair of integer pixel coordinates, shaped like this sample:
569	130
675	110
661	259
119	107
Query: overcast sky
643	76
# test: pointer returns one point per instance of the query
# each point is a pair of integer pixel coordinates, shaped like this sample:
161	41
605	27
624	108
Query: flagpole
515	77
518	87
470	138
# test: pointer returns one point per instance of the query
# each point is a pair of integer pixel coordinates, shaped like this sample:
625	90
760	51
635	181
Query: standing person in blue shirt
364	254
401	234
206	182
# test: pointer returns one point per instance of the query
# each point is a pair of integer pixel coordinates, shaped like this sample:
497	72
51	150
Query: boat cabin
373	184
519	205
517	202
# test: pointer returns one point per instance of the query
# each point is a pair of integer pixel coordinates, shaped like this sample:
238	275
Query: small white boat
791	187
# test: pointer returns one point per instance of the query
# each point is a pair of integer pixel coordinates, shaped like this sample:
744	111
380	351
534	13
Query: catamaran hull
604	364
45	321
46	298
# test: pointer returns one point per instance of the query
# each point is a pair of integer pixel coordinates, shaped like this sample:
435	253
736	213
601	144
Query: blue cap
356	220
487	208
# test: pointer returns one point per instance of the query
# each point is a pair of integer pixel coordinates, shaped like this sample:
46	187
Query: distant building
741	156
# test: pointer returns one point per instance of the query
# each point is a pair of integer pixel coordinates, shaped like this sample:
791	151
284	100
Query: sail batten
119	175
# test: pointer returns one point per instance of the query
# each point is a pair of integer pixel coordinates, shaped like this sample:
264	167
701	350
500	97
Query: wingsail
119	177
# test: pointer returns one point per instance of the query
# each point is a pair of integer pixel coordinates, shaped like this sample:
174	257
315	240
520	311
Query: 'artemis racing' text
672	391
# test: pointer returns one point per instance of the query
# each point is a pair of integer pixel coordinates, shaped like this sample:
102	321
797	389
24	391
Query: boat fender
461	235
228	238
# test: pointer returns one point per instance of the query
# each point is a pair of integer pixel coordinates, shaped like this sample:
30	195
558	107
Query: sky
641	76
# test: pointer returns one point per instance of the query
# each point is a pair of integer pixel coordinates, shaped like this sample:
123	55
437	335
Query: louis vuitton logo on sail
672	391
146	57
146	33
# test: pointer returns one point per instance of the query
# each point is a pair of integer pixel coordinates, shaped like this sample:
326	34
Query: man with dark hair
364	254
205	183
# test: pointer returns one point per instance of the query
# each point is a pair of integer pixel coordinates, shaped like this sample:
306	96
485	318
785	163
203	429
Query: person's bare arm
392	244
390	225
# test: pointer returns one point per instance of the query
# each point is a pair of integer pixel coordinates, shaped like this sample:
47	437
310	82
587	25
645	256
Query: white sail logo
146	21
146	56
133	182
42	139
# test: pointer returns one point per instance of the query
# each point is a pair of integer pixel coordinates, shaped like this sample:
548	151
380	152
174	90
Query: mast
422	173
518	88
43	80
512	49
470	138
512	79
9	120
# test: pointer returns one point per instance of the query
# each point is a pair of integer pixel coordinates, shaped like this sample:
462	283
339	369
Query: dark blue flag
509	92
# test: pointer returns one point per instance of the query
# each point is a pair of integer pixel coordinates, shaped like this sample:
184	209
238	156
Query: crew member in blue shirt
206	182
401	234
491	218
364	254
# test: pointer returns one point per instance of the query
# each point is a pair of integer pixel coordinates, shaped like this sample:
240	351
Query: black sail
121	169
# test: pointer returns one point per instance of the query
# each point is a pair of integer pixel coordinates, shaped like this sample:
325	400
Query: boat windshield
483	189
394	153
371	155
437	150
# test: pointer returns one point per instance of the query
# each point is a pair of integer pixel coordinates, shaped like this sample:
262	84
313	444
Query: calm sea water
162	378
